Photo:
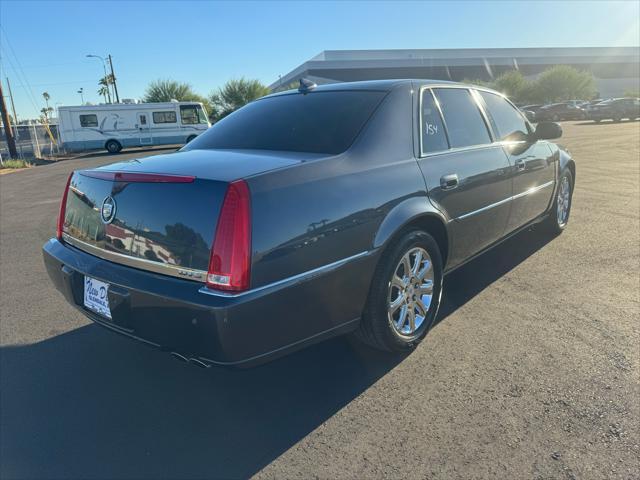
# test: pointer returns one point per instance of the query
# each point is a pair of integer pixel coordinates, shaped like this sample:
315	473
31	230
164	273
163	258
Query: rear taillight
230	263
63	207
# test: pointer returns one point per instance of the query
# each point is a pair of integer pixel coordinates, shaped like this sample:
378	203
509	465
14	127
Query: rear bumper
179	316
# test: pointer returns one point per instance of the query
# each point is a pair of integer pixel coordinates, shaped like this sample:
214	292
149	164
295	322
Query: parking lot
532	371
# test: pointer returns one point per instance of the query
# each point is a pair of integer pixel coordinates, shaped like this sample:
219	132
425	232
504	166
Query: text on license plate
96	296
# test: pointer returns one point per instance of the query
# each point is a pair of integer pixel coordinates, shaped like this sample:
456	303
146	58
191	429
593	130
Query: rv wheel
113	146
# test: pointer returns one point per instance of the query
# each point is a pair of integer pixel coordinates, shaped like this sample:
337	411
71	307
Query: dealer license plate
96	296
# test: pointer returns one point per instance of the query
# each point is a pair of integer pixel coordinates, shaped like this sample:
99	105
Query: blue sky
43	44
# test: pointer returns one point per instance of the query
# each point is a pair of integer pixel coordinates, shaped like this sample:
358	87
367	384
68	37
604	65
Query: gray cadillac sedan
307	214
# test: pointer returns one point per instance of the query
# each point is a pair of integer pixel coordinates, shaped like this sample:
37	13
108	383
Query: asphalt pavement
532	371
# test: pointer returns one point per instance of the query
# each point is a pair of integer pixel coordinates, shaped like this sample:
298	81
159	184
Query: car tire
617	119
555	117
597	120
191	137
113	146
394	318
559	215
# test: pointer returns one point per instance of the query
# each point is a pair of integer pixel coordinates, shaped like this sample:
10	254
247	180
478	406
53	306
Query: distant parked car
560	111
588	105
531	111
615	109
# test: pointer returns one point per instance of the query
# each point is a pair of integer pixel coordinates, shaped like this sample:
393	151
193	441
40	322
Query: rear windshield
318	122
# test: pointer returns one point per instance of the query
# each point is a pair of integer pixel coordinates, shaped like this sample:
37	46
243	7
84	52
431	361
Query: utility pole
113	76
13	107
8	133
106	79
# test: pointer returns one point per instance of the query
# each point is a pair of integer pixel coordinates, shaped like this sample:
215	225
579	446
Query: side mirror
548	131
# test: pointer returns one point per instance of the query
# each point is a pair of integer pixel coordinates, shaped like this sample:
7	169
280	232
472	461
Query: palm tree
104	89
167	90
234	94
46	97
45	113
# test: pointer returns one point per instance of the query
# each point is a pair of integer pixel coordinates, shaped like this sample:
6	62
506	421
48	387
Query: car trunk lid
159	213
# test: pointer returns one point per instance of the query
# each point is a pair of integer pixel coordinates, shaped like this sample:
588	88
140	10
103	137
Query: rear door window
506	119
434	137
465	125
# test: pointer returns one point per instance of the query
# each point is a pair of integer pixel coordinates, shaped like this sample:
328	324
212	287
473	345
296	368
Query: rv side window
88	120
164	117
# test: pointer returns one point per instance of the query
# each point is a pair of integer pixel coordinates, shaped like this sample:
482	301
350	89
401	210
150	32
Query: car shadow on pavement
463	284
91	404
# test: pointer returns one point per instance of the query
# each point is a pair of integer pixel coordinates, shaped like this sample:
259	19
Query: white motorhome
121	125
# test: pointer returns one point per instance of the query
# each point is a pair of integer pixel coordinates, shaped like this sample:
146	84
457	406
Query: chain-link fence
32	141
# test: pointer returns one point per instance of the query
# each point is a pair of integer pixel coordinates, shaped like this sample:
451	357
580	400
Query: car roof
383	85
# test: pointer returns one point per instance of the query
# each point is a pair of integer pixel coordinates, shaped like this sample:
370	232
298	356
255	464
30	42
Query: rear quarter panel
323	211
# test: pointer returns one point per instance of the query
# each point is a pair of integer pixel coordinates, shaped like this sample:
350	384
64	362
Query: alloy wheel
410	291
563	201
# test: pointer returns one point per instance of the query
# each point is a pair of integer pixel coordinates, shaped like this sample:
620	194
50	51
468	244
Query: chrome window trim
464	149
505	98
469	89
506	200
139	263
300	276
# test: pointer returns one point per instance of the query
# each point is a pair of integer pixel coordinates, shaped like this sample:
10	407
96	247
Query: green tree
477	82
104	91
105	83
165	90
513	85
287	86
46	97
563	82
235	94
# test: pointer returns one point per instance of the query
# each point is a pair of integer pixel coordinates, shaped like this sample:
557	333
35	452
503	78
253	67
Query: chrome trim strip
484	209
140	263
533	190
508	199
304	275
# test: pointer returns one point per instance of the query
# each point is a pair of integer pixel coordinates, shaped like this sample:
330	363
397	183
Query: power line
26	80
21	83
92	80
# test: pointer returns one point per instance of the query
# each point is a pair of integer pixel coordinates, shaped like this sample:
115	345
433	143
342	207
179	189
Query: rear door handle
448	182
521	165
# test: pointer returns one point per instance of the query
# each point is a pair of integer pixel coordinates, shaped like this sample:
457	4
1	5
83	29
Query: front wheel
405	294
113	146
559	215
